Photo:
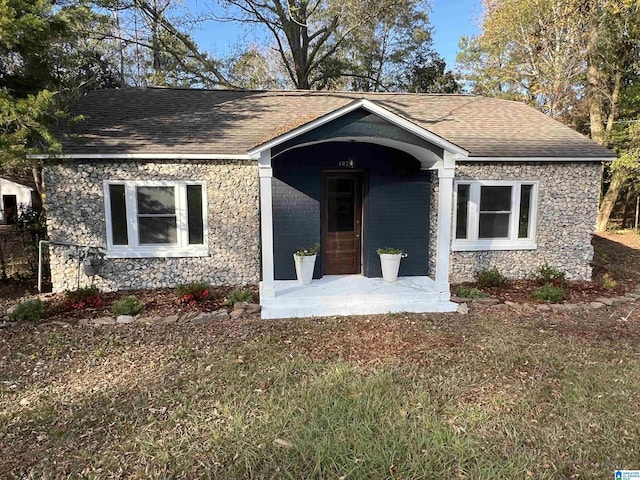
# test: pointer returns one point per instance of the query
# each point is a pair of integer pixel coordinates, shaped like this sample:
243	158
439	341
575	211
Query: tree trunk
615	98
597	117
594	96
36	171
637	213
609	201
628	210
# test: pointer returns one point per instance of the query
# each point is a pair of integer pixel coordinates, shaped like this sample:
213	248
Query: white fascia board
371	108
535	159
142	156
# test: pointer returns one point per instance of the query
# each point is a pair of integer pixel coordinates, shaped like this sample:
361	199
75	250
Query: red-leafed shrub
83	298
190	293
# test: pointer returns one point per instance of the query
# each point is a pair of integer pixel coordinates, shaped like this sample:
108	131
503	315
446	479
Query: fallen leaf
281	442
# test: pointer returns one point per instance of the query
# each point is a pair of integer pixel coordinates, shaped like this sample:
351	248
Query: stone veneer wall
567	209
75	214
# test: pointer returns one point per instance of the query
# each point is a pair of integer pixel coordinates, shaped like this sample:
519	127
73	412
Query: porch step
354	295
302	311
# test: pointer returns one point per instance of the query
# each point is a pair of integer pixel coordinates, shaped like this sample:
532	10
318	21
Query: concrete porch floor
354	295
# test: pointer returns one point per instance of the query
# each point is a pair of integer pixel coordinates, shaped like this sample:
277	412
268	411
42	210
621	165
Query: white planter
390	263
304	268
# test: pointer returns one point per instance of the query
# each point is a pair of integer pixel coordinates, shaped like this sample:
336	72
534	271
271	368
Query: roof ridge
286	91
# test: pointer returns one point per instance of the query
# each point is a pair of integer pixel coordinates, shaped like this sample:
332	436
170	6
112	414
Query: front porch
351	182
354	295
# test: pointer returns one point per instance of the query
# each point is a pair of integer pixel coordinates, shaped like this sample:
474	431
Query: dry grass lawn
496	394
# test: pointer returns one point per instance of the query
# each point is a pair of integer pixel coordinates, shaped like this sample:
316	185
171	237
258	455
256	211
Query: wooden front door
341	223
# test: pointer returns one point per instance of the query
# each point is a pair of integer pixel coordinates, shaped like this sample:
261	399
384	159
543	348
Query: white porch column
445	212
267	288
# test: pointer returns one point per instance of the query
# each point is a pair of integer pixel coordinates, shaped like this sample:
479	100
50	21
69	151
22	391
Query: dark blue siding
395	206
296	218
397	215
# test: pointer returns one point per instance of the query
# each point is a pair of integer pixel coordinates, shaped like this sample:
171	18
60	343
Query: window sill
488	245
165	252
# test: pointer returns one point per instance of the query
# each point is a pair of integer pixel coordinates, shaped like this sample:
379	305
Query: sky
450	19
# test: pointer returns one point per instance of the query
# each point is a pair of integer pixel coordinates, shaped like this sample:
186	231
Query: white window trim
134	249
472	242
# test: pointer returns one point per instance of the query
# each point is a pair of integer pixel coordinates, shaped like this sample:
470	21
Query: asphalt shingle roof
181	121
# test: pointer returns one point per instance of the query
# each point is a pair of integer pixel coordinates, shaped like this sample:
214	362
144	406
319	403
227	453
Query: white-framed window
155	218
495	215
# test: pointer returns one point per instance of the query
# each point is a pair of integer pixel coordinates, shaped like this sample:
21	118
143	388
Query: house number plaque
348	163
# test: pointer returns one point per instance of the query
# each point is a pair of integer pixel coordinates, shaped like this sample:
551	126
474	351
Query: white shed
15	194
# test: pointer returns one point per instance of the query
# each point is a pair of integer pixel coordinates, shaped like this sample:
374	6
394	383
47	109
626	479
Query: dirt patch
617	254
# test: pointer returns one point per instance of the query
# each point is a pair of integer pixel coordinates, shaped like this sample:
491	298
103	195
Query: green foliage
47	61
609	283
34	222
25	101
31	310
389	251
549	293
81	293
308	251
240	295
469	292
129	305
33	225
518	55
627	143
393	51
24	124
193	288
548	274
491	278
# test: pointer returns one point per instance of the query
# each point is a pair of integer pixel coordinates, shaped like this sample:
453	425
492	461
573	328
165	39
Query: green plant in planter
31	310
129	305
391	251
308	251
549	293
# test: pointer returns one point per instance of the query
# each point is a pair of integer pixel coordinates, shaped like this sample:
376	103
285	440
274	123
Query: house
15	194
180	185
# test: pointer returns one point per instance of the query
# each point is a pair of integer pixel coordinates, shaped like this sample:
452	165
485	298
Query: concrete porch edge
341	295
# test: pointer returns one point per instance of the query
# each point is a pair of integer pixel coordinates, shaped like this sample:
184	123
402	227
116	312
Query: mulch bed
616	254
158	302
520	291
161	302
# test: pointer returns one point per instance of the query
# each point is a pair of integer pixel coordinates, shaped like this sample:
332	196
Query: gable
357	125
